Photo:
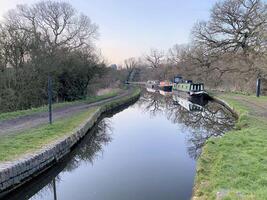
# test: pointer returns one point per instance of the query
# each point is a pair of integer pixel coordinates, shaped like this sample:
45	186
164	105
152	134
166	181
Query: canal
146	151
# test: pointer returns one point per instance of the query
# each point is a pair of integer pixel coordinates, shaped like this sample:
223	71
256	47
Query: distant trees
227	52
130	63
46	38
177	54
155	58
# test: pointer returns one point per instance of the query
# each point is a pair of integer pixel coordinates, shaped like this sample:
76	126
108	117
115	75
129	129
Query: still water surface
147	151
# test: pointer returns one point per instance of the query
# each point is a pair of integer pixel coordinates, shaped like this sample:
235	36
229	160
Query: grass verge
16	145
235	165
92	99
12	146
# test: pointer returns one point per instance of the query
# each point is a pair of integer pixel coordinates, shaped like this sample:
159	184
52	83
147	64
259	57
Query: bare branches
44	28
62	25
130	63
56	24
177	54
235	25
155	58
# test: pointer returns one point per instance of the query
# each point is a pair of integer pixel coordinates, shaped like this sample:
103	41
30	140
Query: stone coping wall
14	174
226	105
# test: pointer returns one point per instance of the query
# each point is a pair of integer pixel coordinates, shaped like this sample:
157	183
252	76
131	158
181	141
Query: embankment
15	173
235	166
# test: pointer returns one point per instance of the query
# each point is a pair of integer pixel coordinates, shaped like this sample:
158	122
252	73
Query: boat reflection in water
165	93
205	118
151	90
188	105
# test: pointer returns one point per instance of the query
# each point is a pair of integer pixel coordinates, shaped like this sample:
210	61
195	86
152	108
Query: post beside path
258	88
50	98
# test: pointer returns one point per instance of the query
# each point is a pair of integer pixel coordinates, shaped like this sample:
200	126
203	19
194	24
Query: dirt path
256	107
30	121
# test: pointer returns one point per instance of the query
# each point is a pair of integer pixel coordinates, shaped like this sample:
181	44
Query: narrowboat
187	88
152	84
165	86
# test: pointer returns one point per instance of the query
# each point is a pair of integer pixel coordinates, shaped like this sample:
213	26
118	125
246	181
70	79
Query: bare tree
130	63
155	58
235	25
177	54
61	24
57	24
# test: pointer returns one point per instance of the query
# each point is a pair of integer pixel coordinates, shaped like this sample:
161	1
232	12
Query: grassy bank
89	99
16	145
235	165
12	146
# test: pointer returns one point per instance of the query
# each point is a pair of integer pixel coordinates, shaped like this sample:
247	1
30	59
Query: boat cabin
186	85
195	87
179	79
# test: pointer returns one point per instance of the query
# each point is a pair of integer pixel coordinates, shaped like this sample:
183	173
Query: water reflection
150	151
91	148
88	150
54	189
204	118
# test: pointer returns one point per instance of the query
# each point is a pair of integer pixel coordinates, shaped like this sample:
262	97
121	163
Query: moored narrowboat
152	84
165	86
188	88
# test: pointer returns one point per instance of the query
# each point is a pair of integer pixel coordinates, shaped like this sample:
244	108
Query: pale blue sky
131	27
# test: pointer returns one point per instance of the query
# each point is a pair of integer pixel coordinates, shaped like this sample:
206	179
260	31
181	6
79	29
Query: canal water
146	151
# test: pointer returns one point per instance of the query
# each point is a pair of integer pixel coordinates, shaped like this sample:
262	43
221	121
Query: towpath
30	121
256	106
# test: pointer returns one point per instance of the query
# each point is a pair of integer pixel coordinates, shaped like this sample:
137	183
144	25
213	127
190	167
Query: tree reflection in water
200	121
205	120
89	149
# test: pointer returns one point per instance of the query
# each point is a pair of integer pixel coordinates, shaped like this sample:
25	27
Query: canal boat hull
166	88
198	98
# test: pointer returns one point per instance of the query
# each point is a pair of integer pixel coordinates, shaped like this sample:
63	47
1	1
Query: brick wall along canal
147	151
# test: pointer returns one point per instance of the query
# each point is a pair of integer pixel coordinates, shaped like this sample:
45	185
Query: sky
130	28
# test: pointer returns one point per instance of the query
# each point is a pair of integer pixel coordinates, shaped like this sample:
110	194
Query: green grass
15	145
236	162
20	113
116	102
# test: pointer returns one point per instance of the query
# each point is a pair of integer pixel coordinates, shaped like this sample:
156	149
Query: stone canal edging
226	105
15	173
